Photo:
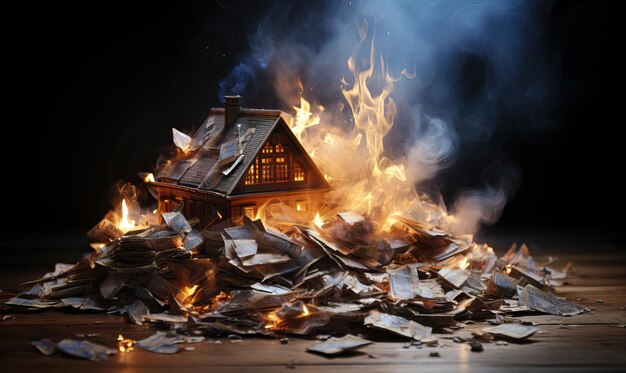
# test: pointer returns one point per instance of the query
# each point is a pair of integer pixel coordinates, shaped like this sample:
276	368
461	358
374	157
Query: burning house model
237	161
377	257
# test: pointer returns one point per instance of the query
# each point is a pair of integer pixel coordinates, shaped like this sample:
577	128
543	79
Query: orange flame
305	311
304	118
318	220
125	345
190	290
125	224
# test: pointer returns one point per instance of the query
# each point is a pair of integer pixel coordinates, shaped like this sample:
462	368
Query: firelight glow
125	224
125	345
190	290
318	220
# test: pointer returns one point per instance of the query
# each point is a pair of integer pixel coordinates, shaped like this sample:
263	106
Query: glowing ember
125	224
125	345
305	310
272	320
190	290
149	178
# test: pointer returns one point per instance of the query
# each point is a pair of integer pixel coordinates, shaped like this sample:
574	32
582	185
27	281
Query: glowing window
249	211
302	206
270	166
267	170
298	172
282	170
252	176
267	148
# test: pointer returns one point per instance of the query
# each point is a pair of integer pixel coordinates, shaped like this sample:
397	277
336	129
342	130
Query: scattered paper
335	346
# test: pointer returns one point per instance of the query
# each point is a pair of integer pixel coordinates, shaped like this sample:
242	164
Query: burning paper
181	140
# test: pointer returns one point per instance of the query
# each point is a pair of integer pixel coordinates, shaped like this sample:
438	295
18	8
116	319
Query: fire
318	220
352	159
125	345
190	290
464	263
149	178
305	311
272	320
125	224
304	118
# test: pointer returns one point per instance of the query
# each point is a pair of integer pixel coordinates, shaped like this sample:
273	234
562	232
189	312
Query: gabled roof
199	169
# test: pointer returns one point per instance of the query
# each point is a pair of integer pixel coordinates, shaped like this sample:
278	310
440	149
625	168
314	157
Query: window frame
267	170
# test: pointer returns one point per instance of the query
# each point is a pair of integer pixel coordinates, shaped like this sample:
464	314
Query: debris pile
342	276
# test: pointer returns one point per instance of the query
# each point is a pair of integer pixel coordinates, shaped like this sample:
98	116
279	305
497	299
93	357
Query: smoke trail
261	50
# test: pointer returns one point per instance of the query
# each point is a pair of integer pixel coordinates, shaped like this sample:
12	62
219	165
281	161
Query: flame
190	290
125	345
125	224
304	118
219	215
305	311
464	263
149	178
318	220
329	138
272	320
352	159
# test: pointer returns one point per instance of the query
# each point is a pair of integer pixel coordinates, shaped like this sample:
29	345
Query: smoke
245	72
434	145
479	68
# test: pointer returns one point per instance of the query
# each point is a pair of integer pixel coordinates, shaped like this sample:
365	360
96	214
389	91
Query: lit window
270	166
298	172
249	211
267	170
302	206
282	170
252	176
267	148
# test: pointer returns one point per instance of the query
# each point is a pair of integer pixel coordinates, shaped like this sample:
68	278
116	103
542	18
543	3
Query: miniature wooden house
237	161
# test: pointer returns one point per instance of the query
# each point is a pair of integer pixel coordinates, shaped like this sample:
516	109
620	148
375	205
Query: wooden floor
590	342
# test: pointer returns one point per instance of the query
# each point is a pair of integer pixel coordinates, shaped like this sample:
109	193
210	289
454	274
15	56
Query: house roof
199	169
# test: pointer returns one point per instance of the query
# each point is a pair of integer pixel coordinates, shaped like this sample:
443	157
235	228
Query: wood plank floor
590	342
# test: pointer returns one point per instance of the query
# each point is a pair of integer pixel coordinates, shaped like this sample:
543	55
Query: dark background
92	91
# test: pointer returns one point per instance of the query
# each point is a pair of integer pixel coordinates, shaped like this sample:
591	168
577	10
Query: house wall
209	209
306	201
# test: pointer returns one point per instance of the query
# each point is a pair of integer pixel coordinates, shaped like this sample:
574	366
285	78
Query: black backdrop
92	91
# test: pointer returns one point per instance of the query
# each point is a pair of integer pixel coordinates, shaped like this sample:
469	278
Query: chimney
232	106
